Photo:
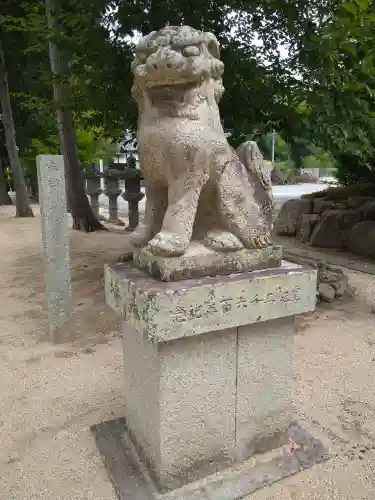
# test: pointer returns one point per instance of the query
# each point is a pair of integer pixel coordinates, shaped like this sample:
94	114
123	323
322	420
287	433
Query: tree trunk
4	195
23	208
78	203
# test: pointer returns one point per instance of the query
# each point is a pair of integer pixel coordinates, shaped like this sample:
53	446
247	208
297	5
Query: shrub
352	170
343	192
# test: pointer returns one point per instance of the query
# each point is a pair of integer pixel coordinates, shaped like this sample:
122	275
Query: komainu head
176	55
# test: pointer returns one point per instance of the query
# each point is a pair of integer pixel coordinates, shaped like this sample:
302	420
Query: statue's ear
212	45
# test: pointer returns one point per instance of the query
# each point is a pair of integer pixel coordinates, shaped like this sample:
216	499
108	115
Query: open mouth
178	80
169	82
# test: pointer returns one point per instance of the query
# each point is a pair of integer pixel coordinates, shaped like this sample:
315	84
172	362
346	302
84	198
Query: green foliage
342	193
319	159
351	170
337	66
92	146
287	169
96	72
282	148
319	92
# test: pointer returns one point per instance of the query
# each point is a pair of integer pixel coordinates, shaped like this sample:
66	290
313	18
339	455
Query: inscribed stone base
207	365
297	450
200	261
164	311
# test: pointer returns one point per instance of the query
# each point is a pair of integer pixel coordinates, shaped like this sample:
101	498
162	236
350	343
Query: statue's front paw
141	236
168	245
222	241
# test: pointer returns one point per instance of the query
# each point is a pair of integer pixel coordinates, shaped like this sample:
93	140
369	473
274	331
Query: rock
326	292
349	218
341	285
359	201
331	230
287	220
362	239
321	205
327	233
126	257
368	210
305	226
330	278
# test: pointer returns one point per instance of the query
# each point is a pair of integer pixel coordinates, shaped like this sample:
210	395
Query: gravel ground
50	395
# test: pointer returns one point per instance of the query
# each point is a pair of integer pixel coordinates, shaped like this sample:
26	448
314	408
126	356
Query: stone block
298	450
362	239
306	224
199	262
328	233
166	311
331	230
264	385
359	201
180	403
287	220
326	292
207	365
321	205
368	210
349	218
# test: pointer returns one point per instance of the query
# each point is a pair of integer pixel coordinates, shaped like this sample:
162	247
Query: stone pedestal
199	261
208	365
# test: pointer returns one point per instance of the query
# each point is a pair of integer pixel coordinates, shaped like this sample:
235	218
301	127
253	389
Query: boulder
321	205
341	285
332	229
287	220
368	210
358	201
327	233
305	226
326	292
331	280
349	218
362	239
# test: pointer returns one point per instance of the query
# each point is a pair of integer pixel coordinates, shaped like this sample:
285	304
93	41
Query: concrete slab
298	450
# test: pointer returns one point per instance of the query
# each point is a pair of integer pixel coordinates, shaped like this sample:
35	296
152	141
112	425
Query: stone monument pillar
207	303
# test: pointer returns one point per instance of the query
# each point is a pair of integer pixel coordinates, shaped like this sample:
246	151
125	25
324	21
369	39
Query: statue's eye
191	50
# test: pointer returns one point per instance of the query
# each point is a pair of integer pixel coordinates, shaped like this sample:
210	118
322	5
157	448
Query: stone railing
114	177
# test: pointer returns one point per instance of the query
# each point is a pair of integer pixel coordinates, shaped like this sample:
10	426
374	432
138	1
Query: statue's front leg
183	197
156	205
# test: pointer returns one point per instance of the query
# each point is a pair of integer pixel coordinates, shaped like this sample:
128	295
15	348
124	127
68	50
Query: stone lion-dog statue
197	186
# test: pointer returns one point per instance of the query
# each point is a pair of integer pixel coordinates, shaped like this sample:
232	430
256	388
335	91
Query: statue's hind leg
208	227
240	212
156	205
